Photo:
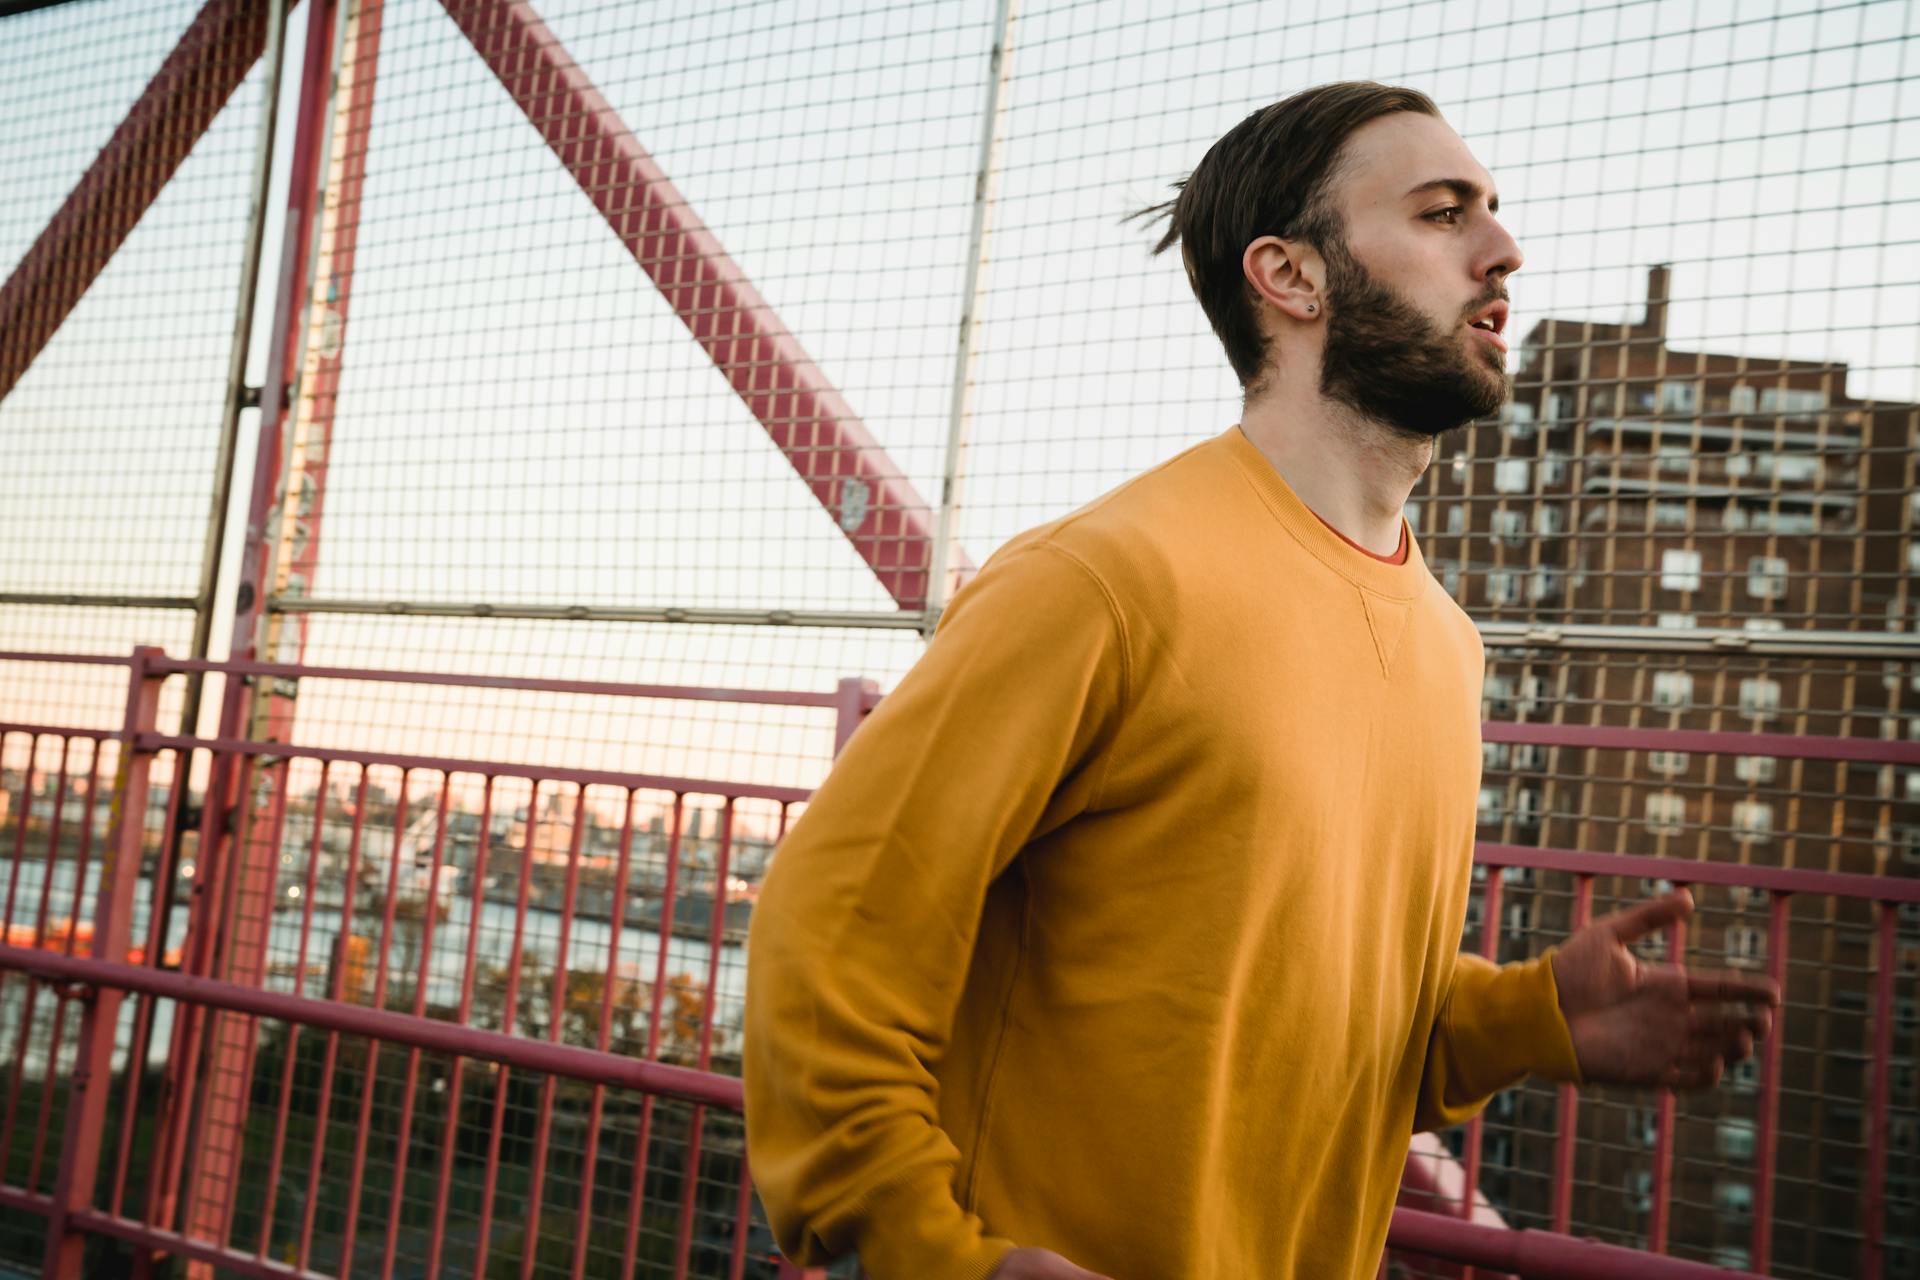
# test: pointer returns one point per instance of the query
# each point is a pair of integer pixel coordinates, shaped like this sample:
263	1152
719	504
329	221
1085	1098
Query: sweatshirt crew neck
1399	578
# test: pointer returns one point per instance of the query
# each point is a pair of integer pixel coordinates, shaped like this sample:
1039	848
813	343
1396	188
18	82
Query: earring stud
1312	307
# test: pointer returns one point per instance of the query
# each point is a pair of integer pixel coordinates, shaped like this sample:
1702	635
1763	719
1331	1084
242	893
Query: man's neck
1353	472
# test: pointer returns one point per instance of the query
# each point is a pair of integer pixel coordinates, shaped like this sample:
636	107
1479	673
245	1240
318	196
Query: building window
1759	698
1746	946
1679	397
1512	475
1670	515
1741	399
1676	621
1559	408
1527	808
1735	1139
1498	694
1666	812
1909	839
1759	625
1640	1190
1503	586
1549	520
1757	769
1752	821
1493	803
1672	689
1553	468
1519	919
1733	1199
1457	517
1679	570
1533	694
1668	762
1543	584
1493	755
1532	756
1744	1077
1517	418
1510	527
1791	400
1767	578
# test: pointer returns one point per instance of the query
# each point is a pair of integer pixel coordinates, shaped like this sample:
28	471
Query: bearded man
1124	938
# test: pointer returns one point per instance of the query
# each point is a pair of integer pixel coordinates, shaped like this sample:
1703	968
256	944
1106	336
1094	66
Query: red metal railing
416	997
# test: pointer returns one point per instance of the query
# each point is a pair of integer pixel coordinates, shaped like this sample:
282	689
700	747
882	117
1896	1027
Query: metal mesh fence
636	352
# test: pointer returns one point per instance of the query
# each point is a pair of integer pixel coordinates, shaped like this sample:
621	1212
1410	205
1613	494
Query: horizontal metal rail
1532	1253
430	1035
99	600
1786	746
481	768
1780	880
1704	640
890	620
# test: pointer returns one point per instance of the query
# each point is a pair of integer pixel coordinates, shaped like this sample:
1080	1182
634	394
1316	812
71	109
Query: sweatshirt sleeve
1497	1024
861	941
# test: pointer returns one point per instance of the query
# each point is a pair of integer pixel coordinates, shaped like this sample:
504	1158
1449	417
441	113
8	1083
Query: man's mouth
1492	322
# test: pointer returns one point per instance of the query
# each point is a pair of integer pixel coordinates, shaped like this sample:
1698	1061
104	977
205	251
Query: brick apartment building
1630	484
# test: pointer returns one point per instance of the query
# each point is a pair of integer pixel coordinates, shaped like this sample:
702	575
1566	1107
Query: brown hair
1271	174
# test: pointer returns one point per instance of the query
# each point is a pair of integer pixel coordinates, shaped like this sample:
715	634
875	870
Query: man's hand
1040	1264
1635	1023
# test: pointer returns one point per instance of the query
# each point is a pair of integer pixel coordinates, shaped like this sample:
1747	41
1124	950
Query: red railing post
100	1007
1873	1260
1663	1138
1569	1107
853	698
1767	1144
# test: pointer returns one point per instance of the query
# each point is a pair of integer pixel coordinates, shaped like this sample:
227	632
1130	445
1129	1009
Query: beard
1387	361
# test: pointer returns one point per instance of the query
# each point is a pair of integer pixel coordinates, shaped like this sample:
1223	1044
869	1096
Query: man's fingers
1637	922
1724	1020
1723	984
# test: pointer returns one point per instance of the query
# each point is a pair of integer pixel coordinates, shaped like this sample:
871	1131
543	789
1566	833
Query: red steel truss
195	81
847	470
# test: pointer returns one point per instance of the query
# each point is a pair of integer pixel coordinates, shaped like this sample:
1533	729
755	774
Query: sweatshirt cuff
915	1230
1515	1024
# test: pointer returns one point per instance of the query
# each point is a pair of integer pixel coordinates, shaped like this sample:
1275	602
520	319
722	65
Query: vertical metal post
853	698
237	354
1476	1127
1873	1261
1569	1096
222	794
112	925
1767	1145
1663	1137
939	588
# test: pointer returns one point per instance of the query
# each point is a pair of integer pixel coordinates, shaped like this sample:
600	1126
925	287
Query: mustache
1496	294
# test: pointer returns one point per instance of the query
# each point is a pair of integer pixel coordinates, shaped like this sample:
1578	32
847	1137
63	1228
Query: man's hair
1271	174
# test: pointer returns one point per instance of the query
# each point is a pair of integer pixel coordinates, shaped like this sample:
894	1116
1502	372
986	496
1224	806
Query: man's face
1416	284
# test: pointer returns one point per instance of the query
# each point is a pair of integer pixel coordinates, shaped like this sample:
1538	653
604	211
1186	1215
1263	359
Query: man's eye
1449	215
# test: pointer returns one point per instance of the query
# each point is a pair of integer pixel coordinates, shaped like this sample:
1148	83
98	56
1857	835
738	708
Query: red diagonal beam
195	81
851	475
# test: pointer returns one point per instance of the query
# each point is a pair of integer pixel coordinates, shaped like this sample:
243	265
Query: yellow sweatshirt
1128	926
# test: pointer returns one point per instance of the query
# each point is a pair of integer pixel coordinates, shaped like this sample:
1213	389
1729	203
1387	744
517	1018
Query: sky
523	421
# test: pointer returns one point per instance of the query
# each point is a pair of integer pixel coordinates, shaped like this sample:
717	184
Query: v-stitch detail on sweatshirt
1387	623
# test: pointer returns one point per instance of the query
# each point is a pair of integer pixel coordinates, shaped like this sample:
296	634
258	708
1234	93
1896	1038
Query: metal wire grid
1825	1065
524	420
109	436
1701	136
722	742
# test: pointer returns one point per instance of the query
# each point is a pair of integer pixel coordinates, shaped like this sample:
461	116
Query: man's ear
1287	274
